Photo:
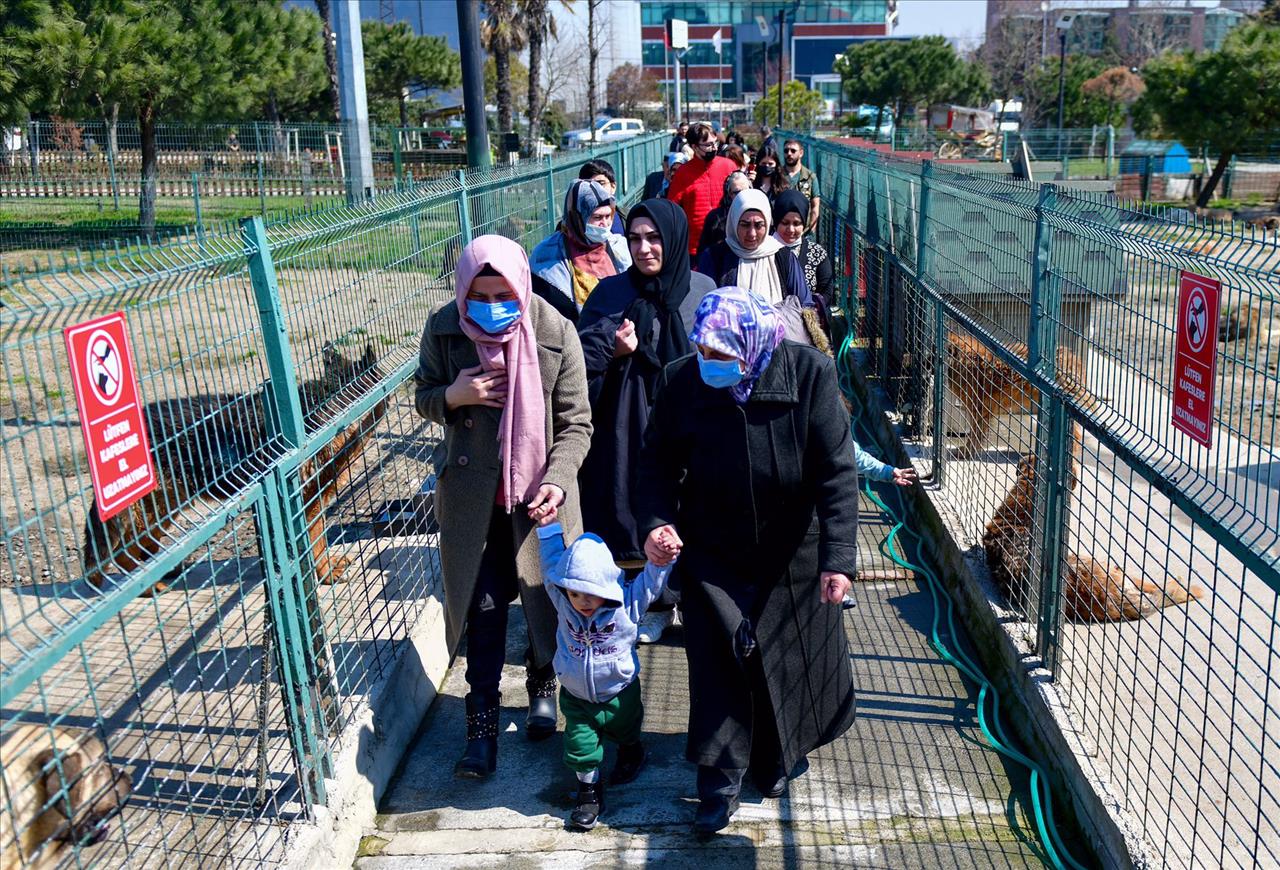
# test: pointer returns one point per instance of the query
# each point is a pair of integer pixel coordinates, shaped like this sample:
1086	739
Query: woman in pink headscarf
502	371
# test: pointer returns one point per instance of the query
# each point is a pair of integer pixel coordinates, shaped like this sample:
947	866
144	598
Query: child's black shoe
588	806
631	760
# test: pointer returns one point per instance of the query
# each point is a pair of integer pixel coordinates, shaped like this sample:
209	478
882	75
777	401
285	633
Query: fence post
1004	146
551	194
1111	148
1053	454
1146	177
397	161
1228	177
195	194
464	207
939	326
281	530
111	167
262	191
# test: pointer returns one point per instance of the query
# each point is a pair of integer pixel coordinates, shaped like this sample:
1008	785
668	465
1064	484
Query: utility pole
353	101
679	113
1064	23
472	82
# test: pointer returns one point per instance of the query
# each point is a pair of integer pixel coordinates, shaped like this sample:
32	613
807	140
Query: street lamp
1064	27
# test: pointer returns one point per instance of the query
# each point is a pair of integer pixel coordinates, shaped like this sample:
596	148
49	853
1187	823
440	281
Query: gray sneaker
653	624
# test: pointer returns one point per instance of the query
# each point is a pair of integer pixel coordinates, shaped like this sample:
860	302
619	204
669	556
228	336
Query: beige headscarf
756	269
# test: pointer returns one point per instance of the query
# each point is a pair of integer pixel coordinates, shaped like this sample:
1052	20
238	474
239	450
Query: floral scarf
738	322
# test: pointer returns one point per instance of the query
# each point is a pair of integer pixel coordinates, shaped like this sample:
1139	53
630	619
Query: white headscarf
756	269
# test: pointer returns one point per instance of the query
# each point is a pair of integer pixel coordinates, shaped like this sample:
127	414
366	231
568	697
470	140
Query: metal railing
1024	336
291	524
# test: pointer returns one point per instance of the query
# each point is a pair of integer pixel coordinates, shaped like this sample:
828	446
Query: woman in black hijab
790	217
633	325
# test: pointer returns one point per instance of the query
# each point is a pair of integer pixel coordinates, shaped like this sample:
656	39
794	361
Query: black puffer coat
765	497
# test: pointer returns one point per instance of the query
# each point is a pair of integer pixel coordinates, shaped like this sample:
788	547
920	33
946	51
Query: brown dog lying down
61	791
1095	591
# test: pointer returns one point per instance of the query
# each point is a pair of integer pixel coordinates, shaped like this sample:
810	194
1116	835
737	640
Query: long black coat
765	497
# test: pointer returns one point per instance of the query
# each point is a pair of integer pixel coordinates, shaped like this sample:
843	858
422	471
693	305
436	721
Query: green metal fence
291	525
1024	338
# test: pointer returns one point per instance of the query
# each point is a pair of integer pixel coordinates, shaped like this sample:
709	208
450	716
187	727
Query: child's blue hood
588	566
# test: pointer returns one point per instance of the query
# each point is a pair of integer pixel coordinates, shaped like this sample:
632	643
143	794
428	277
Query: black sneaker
631	760
588	806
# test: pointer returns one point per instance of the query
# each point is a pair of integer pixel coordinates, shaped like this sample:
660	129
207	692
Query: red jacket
697	187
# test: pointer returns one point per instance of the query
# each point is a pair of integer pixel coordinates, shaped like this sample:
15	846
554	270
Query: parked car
1012	117
606	130
862	122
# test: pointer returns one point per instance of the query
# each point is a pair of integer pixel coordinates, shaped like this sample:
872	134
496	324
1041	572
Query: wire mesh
1026	348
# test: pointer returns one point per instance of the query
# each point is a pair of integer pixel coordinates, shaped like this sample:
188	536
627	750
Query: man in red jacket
698	185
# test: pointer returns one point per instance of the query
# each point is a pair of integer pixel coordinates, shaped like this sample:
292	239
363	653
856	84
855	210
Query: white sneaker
653	624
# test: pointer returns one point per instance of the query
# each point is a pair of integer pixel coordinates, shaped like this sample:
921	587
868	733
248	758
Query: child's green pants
586	725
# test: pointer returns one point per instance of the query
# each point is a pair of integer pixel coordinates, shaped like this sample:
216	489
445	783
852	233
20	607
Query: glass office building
747	64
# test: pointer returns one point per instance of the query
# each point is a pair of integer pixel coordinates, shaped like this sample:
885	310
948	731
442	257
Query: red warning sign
115	434
1195	361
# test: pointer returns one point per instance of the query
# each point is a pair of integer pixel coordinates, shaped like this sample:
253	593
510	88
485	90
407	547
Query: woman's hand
834	586
905	476
624	340
546	504
662	546
475	386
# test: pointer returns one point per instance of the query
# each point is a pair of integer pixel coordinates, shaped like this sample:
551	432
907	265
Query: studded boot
480	758
541	683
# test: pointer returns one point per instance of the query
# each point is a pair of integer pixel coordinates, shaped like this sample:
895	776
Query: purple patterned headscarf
738	322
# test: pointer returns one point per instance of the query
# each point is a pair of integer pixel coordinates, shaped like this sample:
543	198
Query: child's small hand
546	519
662	546
905	476
669	543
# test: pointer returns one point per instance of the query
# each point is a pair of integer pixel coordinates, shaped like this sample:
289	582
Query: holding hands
662	546
545	505
475	386
834	586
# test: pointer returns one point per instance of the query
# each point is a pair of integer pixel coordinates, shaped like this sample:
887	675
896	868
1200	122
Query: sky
962	21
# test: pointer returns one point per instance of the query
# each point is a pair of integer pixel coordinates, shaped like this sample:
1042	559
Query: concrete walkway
912	784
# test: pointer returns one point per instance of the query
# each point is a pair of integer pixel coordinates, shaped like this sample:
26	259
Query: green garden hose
993	730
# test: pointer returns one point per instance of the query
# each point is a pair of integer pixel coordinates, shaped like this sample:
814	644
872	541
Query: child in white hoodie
596	658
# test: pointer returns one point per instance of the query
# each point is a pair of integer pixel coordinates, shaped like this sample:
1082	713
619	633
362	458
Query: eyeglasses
705	146
792	150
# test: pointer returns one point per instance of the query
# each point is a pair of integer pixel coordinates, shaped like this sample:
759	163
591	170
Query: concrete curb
371	746
1032	709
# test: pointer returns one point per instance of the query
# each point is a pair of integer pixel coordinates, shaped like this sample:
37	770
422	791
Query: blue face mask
493	317
719	373
596	235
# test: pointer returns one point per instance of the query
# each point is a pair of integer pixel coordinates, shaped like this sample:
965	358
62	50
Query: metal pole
353	100
686	90
1062	87
472	83
195	194
782	59
675	55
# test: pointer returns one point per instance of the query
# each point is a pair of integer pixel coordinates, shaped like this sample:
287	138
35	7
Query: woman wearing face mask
750	257
601	172
502	372
748	461
770	177
569	263
631	327
790	212
713	229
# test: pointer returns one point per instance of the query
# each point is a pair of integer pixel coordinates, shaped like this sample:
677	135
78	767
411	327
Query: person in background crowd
748	468
678	140
769	175
569	263
751	258
632	327
790	219
737	155
601	172
801	178
502	372
713	229
769	141
656	183
698	185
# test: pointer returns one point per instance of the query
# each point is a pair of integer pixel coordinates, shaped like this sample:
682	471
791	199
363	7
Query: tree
501	33
593	65
1118	88
1221	99
868	74
330	58
627	87
398	61
910	72
1270	13
800	107
1040	102
1010	54
517	77
539	24
295	86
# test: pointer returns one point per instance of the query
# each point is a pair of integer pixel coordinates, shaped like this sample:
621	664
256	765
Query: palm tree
538	24
501	34
330	58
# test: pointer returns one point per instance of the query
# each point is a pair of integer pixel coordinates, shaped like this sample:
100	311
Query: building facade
1130	30
747	63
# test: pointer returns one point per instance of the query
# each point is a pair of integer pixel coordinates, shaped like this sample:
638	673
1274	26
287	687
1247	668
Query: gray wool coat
468	468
